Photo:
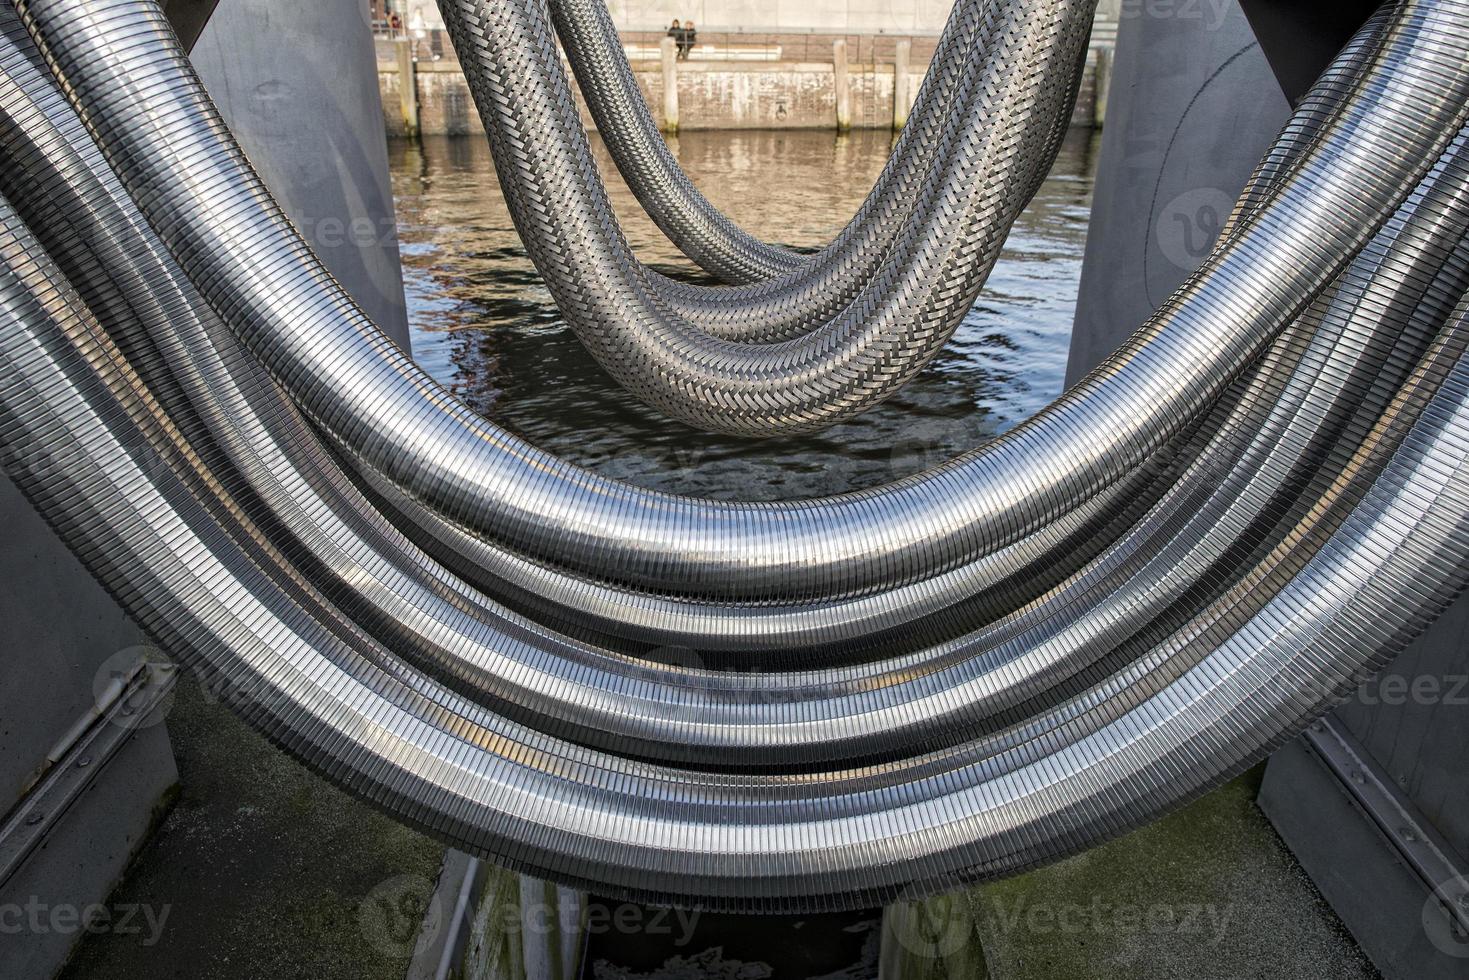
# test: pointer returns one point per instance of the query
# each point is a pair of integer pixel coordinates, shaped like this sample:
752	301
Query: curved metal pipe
983	808
594	49
385	414
1320	516
683	624
569	690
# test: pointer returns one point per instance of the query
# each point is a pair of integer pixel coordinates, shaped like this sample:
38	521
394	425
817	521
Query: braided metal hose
1316	521
891	323
594	49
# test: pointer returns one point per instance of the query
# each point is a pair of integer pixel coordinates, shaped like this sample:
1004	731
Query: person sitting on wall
690	38
676	32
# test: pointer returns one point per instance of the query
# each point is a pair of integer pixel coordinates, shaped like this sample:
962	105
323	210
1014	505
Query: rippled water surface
485	326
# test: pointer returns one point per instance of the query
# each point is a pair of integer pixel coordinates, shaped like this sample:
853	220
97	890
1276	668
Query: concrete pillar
407	85
64	641
902	84
668	53
843	85
297	84
1191	120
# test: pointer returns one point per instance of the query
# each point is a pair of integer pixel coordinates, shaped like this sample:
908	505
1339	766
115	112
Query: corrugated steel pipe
181	377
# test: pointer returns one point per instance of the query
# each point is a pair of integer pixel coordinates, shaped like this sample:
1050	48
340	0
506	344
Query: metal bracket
75	763
1420	846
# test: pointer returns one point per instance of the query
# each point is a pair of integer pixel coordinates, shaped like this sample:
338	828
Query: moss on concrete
1209	891
265	870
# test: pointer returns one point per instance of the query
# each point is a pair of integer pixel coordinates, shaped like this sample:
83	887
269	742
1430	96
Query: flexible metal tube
61	181
683	624
827	685
594	49
63	184
1334	606
1334	588
383	412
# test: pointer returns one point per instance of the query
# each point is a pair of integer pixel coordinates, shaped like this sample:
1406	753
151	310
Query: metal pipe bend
1357	556
983	808
379	409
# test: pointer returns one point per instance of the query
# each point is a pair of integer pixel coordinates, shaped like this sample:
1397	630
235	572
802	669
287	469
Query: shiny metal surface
385	414
889	296
594	49
1045	643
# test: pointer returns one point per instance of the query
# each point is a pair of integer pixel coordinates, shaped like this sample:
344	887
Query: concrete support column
668	53
902	96
843	85
297	84
65	642
1193	115
407	86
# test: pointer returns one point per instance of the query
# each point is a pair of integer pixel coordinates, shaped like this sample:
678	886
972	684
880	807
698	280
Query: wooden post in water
407	86
843	85
668	51
1103	87
902	100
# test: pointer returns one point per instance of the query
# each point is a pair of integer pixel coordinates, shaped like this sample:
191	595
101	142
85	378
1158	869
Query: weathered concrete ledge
711	94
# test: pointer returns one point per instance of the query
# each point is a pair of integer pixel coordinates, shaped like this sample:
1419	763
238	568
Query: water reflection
485	326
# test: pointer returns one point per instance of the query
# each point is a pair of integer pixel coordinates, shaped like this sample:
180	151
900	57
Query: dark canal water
485	326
